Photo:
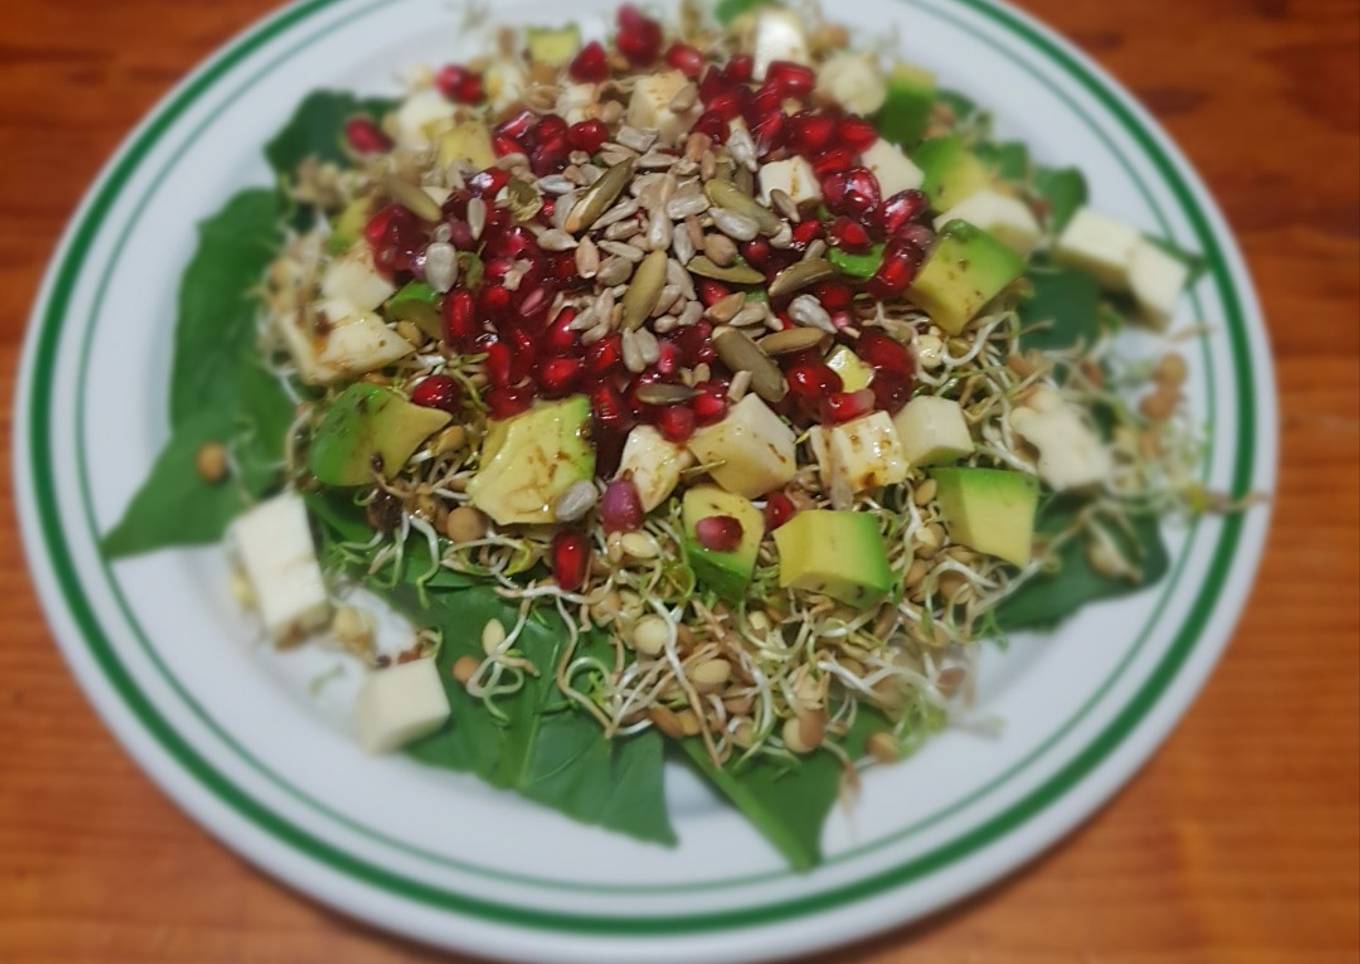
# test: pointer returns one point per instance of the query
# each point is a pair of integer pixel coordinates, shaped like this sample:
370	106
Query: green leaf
317	129
1051	597
1063	190
963	106
728	10
1063	308
788	802
1009	159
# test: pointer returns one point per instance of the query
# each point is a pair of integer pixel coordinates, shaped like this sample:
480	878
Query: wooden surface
1237	843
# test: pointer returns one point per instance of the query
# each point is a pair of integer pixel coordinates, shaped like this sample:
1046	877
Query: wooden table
1237	843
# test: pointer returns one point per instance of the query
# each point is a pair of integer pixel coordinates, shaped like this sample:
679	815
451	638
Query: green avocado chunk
527	461
348	225
368	429
966	269
856	265
839	554
417	303
906	110
990	510
952	171
726	573
553	46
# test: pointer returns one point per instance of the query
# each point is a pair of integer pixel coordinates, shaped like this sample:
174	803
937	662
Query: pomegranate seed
901	210
639	38
718	533
587	135
559	376
686	59
517	125
489	182
668	358
621	507
713	124
516	242
570	559
832	161
711	292
550	127
504	144
805	232
834	295
812	379
493	301
810	132
714	82
507	402
853	192
726	105
559	338
768	133
549	157
758	252
849	235
676	422
604	356
562	266
779	508
891	391
895	273
366	137
397	238
711	406
437	391
883	352
608	408
499	361
793	80
856	133
739	69
843	406
459	84
591	65
764	102
460	322
919	237
535	301
694	344
460	235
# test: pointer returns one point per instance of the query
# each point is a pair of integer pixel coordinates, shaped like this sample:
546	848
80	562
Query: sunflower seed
587	258
441	266
684	99
726	308
413	199
619	212
622	230
677	275
598	198
682	245
563	209
783	238
739	353
701	372
556	240
696	231
611	111
739	273
683	205
799	275
708	165
645	289
595	334
752	314
664	324
574	503
626	251
632	356
696	144
556	184
670	294
807	310
614	271
791	340
658	230
635	139
742	148
739	386
721	250
656	160
604	306
815	250
784	204
584	321
590	173
476	217
692	313
663	393
648	346
735	225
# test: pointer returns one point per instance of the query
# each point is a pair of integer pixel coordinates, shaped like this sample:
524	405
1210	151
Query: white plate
171	665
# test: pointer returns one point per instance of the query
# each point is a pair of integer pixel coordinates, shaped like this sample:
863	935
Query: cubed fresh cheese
932	430
894	170
348	345
854	82
649	108
861	454
794	177
1071	455
399	704
1007	219
578	102
654	463
779	36
504	82
421	118
1156	280
752	449
272	542
353	280
1099	244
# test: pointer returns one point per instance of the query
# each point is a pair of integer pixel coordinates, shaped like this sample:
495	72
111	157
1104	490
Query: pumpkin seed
644	290
663	393
789	341
799	275
523	200
739	273
741	354
727	307
599	196
413	198
725	194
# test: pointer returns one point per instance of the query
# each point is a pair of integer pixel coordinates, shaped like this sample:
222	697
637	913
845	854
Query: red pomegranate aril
604	356
549	157
884	352
397	238
587	135
562	269
535	300
834	295
832	161
768	133
711	291
686	59
559	338
901	210
366	137
739	69
896	272
794	80
549	127
718	533
856	133
779	508
849	235
459	84
460	318
559	376
843	406
726	105
711	406
639	38
518	125
499	362
668	358
919	237
810	132
504	146
570	559
853	192
494	301
508	402
764	102
676	422
694	344
712	123
621	507
515	242
891	391
813	379
437	391
460	235
489	182
805	232
758	252
591	65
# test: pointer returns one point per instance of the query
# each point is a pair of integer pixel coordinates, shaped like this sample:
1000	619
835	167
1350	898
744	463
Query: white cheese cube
421	118
794	177
854	82
505	82
273	544
1098	244
1071	455
779	36
649	108
1007	219
932	430
861	454
1156	280
754	446
354	280
654	463
400	704
894	170
578	102
348	345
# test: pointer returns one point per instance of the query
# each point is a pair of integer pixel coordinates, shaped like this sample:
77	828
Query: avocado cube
726	573
932	430
369	429
990	510
751	450
417	303
838	554
529	460
854	373
966	269
951	171
906	110
468	142
1005	218
553	46
347	227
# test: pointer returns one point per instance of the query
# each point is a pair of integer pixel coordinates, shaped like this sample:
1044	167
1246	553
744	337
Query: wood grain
1237	843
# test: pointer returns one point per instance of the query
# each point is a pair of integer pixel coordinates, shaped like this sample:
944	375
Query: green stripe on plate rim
54	315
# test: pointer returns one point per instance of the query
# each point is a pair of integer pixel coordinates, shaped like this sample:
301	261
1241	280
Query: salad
719	384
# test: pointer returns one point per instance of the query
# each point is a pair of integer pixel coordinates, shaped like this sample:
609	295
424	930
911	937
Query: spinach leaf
728	10
788	803
317	129
1010	159
1050	597
1064	190
963	106
1062	309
